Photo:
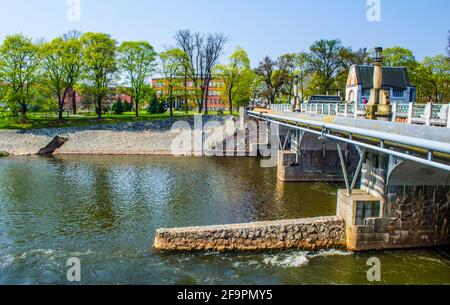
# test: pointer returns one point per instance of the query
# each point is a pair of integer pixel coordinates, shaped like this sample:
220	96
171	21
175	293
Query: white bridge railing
423	114
282	107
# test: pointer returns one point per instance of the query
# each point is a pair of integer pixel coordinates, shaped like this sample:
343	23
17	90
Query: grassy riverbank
84	119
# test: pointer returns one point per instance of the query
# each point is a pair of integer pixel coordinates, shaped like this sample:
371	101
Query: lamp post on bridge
297	105
379	107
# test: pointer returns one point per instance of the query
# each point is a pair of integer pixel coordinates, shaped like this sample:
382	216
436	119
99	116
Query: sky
262	27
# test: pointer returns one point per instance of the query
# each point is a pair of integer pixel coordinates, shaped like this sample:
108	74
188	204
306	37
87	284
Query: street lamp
379	54
297	106
379	105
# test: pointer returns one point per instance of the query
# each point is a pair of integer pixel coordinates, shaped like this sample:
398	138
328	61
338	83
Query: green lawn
45	120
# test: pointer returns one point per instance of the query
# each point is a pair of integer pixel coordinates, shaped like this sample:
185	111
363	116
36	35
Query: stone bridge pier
400	204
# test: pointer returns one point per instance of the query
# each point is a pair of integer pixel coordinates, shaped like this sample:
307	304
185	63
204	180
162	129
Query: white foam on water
251	263
37	252
299	258
433	260
6	261
331	252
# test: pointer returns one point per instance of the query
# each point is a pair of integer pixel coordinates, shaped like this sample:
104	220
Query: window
398	93
366	92
366	210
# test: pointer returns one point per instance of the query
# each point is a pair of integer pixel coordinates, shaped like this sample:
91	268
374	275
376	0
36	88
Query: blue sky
262	27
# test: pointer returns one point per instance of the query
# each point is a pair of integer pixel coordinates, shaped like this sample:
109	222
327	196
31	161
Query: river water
105	210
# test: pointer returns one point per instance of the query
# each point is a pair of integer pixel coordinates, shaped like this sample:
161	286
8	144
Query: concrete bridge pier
306	157
401	204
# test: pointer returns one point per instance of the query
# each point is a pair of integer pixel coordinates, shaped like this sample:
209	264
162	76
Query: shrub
118	107
105	109
156	106
127	106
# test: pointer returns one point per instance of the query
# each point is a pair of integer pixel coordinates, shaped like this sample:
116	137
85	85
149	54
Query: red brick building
113	95
215	99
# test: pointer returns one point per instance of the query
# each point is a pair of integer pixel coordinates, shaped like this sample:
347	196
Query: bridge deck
427	133
422	144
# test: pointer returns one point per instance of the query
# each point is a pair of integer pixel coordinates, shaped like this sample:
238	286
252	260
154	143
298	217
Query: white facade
356	93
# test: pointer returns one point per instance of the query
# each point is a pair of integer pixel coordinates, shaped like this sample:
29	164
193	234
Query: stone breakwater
140	138
303	234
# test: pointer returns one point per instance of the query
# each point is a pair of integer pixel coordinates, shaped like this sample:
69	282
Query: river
104	210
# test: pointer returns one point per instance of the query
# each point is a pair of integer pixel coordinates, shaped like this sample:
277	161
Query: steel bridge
428	146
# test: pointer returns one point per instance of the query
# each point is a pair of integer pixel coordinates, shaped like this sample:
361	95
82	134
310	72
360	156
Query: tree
187	93
302	71
171	68
100	64
61	65
238	78
438	71
191	44
118	107
203	52
399	57
330	59
286	71
157	105
137	60
266	72
273	75
211	51
73	34
19	67
362	57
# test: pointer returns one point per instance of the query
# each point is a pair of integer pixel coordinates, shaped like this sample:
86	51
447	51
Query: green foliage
238	78
127	106
19	69
431	76
61	66
157	105
331	61
118	107
137	60
399	57
172	65
100	62
433	79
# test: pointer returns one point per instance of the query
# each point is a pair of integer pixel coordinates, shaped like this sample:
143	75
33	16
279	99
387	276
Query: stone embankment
304	234
140	138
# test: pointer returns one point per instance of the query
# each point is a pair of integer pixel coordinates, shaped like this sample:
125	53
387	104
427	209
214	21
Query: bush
127	106
118	107
105	109
156	106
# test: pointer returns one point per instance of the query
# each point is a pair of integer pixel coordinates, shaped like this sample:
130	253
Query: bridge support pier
401	204
311	158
